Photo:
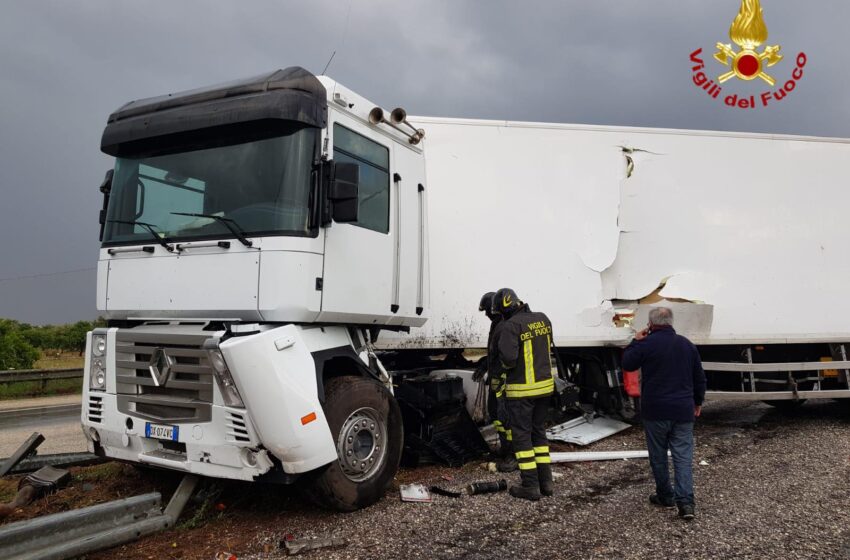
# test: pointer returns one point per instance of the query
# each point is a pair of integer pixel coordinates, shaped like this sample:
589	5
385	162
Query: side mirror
106	189
342	191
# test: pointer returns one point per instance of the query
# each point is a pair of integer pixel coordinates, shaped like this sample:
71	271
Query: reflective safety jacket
524	342
495	371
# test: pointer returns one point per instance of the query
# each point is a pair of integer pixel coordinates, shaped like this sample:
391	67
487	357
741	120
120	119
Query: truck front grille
164	377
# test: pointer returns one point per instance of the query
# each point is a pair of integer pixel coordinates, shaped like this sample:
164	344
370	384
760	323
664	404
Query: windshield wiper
151	228
226	222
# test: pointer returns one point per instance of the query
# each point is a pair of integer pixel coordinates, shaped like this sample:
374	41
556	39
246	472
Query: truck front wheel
365	421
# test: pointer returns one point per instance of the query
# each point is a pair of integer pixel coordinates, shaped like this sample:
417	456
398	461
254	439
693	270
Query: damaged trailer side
740	234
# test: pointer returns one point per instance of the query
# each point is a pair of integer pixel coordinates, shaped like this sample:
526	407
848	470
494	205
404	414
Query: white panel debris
581	432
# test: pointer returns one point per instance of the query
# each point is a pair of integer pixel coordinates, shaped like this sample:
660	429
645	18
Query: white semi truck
279	252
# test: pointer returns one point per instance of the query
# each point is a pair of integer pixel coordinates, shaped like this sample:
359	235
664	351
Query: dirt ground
769	485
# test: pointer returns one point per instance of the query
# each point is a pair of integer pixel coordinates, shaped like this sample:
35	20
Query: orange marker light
307	419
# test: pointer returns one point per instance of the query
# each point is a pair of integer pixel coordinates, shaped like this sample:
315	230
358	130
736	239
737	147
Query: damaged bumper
225	447
167	401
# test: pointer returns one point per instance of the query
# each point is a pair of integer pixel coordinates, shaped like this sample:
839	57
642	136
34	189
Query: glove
480	370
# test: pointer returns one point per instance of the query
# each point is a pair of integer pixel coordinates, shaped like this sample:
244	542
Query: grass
103	473
53	359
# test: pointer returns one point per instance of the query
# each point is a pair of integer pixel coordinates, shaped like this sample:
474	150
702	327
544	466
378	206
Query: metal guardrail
74	533
43	375
35	462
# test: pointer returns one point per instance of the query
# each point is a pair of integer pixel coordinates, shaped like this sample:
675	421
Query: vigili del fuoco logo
749	62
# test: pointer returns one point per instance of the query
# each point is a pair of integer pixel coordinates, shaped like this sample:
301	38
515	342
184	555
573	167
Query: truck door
357	282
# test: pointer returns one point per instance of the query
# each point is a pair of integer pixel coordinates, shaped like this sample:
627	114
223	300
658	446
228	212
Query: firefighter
496	375
524	341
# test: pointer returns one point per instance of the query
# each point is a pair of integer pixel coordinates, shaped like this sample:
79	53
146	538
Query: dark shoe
525	492
506	465
544	475
657	500
686	512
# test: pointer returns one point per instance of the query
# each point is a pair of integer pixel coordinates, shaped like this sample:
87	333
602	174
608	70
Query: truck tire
365	421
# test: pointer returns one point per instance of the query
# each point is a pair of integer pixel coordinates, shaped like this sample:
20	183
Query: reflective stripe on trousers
541	454
525	460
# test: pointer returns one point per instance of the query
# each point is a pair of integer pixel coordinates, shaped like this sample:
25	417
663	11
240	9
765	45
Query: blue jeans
678	437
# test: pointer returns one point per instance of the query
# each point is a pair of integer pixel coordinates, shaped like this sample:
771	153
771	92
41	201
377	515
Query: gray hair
661	316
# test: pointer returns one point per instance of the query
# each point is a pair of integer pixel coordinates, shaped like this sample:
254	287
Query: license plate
158	431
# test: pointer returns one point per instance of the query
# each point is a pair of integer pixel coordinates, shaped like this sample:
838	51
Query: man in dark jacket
672	391
524	343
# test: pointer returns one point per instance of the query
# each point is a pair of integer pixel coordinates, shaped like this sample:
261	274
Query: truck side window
374	162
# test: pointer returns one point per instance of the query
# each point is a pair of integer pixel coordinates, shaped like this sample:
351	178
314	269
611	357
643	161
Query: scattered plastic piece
703	463
585	430
225	556
414	493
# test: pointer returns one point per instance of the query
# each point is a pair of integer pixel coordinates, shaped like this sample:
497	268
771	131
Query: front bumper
276	377
225	447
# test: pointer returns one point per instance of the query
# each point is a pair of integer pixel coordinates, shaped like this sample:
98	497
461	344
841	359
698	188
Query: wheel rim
362	444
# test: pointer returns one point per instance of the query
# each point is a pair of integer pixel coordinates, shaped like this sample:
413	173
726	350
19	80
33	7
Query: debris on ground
586	429
580	456
703	463
414	493
443	492
487	487
46	480
225	556
25	450
438	427
297	546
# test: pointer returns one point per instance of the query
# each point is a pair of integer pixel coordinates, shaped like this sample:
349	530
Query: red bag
631	383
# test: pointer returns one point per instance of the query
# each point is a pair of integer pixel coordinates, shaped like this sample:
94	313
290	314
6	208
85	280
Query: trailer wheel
366	423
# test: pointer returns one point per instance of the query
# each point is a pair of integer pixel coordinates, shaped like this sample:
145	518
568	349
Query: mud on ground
775	486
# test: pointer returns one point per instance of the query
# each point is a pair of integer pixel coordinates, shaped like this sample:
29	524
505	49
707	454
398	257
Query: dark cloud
65	66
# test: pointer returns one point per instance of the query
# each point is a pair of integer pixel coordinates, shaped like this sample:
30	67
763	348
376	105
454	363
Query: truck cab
256	236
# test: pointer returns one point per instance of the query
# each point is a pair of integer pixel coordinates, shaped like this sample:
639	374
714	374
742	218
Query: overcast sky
64	66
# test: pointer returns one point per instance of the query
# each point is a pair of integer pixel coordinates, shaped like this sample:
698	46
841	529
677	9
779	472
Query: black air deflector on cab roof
281	98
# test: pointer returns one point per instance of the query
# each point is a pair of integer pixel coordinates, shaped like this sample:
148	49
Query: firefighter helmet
505	302
486	303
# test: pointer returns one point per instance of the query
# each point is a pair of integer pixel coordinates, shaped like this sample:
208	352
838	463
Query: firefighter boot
507	461
530	489
544	474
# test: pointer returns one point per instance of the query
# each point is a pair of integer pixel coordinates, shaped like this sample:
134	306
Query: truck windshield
263	186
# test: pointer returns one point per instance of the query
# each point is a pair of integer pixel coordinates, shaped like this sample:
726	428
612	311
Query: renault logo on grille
160	367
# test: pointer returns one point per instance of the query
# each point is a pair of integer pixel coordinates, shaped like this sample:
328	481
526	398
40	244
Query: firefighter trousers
527	420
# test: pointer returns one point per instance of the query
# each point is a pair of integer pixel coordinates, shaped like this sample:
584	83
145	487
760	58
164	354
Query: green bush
15	351
70	338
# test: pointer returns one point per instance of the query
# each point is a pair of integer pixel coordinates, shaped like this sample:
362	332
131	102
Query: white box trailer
279	256
581	220
741	234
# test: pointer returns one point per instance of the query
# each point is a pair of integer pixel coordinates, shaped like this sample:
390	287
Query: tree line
21	344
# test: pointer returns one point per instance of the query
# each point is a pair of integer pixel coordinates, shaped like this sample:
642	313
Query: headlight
98	345
229	392
97	374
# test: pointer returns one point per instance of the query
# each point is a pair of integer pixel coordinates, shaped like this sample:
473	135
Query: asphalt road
57	418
